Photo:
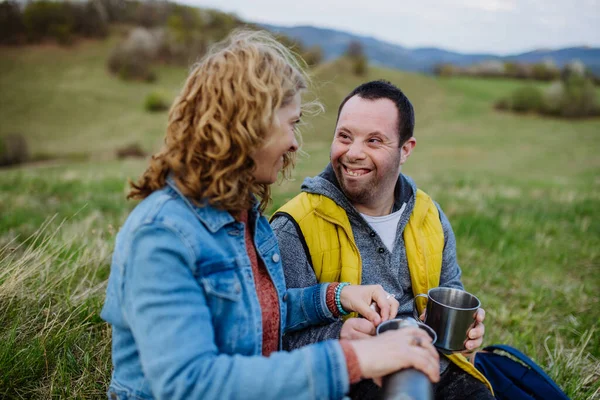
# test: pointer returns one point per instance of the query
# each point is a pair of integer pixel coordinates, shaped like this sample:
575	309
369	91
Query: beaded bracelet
330	299
338	302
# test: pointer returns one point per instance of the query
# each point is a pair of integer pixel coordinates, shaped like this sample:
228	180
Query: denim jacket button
275	257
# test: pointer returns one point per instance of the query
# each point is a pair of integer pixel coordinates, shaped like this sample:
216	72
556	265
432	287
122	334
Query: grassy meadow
522	193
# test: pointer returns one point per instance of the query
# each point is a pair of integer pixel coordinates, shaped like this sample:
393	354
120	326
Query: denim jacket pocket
225	285
229	313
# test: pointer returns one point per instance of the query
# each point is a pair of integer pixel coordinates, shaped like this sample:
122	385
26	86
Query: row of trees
573	96
180	41
33	22
168	33
157	30
64	21
542	71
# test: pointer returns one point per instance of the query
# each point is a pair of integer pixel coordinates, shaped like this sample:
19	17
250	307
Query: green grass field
522	193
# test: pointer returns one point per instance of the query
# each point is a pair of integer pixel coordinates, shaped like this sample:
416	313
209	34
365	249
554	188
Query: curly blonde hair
222	116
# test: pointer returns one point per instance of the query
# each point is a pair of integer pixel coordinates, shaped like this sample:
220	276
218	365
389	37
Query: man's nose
355	151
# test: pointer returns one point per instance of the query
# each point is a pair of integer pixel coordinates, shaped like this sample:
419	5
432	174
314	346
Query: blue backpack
516	377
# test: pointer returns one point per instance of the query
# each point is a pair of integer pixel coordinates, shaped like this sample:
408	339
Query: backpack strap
525	360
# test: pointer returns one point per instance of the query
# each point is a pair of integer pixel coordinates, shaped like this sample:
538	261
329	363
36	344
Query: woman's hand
395	350
360	297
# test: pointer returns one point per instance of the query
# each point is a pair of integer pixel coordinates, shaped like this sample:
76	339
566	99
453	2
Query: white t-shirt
386	226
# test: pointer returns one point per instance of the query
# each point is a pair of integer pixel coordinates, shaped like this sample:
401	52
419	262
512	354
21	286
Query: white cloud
496	26
553	22
489	5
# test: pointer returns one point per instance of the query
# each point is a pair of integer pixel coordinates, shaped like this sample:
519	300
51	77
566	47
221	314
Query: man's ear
407	149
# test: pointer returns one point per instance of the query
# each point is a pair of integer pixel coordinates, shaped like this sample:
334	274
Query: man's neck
377	208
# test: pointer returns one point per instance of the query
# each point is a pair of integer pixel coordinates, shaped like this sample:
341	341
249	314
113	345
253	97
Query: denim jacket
186	321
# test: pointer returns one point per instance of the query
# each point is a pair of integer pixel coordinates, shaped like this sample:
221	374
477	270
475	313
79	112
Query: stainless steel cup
450	313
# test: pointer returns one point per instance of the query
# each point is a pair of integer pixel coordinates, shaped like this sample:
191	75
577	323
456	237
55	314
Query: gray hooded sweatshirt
379	265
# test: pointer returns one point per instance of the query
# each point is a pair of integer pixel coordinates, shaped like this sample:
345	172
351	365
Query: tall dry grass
52	341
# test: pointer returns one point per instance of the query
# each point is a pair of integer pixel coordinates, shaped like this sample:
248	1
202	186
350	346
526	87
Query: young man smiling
362	221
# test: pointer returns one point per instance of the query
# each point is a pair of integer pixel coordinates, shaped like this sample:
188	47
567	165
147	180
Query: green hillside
522	193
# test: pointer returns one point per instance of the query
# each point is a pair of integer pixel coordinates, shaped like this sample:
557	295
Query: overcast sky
495	26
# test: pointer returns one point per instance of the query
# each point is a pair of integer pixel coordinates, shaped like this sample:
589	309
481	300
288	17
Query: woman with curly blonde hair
196	296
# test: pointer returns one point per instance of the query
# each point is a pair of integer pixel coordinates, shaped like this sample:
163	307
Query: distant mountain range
334	43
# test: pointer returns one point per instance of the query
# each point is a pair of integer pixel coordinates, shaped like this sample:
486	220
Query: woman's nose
294	145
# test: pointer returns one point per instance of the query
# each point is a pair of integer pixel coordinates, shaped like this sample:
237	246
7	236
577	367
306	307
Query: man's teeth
354	173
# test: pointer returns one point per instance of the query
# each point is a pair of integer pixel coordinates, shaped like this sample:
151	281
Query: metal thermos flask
407	384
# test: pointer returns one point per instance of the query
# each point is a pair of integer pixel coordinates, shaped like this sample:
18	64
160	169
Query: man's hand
357	328
475	333
359	298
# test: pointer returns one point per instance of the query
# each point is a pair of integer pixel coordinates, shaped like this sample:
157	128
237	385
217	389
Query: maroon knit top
269	305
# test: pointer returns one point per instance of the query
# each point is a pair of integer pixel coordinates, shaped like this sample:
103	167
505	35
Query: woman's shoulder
164	209
160	205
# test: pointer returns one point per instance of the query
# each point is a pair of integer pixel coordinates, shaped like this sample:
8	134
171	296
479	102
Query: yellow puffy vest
335	257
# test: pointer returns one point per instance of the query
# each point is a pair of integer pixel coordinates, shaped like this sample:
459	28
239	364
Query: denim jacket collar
213	218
